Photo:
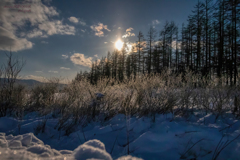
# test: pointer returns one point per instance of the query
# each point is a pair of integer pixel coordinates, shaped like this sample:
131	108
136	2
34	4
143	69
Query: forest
208	45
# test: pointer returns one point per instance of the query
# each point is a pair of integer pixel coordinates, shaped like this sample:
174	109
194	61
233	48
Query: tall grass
78	103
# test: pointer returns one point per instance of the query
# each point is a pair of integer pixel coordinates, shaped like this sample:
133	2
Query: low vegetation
145	95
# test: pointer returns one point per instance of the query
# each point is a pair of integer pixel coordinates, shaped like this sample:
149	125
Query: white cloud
64	56
47	1
8	41
37	78
155	22
50	71
40	23
76	20
175	45
80	59
98	61
63	68
73	19
98	29
130	47
105	42
44	42
39	71
56	27
35	33
128	33
119	28
129	29
82	23
95	55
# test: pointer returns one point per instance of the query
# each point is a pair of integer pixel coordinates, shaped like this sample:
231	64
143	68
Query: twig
229	125
191	147
218	145
113	145
79	138
222	146
84	135
182	134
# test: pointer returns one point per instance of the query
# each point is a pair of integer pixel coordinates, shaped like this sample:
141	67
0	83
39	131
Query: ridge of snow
28	147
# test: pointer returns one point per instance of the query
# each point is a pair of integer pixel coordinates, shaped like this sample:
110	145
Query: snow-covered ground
196	137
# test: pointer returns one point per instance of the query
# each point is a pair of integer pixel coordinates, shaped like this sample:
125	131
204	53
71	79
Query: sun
119	44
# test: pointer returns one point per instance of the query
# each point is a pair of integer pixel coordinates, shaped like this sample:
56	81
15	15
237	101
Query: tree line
208	45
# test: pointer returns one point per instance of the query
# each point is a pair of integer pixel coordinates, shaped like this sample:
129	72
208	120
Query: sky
58	38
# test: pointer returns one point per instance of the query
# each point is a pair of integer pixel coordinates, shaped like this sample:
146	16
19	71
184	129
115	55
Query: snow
193	137
15	144
26	141
11	148
129	158
3	143
39	149
88	150
99	95
66	152
96	144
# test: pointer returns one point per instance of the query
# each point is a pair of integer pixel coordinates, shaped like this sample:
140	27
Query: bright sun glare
119	44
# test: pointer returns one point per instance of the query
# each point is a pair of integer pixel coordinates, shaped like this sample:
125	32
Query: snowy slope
197	137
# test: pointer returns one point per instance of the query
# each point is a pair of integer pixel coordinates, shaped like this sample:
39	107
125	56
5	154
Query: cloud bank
38	19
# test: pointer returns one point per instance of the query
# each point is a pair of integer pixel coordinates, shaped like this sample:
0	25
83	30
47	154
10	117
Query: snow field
197	137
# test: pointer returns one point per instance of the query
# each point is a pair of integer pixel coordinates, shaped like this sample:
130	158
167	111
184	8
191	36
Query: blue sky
58	38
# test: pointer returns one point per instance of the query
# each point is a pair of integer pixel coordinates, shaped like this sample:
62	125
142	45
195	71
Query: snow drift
28	147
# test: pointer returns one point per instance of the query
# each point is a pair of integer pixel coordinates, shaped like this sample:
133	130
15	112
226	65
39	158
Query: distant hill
28	82
31	82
